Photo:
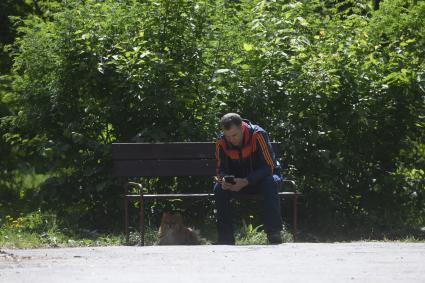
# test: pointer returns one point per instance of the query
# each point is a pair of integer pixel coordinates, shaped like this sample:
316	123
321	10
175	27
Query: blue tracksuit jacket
254	160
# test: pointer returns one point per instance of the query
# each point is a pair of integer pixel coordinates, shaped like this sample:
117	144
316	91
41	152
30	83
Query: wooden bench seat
172	160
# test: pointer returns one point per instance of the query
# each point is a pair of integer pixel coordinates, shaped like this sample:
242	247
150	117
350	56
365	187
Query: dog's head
171	221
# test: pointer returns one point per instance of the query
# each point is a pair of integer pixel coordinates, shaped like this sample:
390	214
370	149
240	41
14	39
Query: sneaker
274	238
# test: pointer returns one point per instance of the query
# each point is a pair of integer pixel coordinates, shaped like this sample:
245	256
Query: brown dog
173	232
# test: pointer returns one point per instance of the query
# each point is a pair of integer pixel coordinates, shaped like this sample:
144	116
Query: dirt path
300	262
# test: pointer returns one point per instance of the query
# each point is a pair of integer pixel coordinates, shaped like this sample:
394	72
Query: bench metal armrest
290	183
131	185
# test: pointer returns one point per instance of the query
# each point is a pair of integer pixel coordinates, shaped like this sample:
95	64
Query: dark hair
229	120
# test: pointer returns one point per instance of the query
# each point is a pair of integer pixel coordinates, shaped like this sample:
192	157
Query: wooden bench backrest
165	159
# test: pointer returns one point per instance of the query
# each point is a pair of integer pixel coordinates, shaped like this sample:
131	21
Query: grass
366	232
41	230
37	230
250	235
19	239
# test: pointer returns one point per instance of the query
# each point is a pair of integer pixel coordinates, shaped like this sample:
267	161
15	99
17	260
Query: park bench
172	160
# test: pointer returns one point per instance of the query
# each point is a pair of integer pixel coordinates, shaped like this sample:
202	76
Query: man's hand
239	185
226	186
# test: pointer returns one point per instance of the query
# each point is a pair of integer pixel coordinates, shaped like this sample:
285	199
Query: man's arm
266	166
222	170
220	161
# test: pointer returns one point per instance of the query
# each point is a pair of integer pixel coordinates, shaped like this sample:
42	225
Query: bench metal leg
126	220
142	220
295	221
142	214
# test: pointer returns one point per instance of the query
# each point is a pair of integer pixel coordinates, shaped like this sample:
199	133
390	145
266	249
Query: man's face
234	135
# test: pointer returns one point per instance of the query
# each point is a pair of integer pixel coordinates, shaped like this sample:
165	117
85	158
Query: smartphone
229	179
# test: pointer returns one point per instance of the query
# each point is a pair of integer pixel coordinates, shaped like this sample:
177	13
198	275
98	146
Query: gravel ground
293	262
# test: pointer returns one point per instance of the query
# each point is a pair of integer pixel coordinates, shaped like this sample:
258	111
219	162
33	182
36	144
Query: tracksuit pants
268	188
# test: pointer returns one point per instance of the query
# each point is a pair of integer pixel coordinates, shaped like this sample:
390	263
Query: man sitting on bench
246	164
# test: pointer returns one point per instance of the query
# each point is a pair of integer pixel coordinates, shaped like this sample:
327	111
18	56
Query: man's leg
269	188
224	216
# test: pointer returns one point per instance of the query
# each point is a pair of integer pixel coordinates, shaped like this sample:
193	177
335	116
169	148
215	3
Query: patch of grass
151	237
41	230
406	239
369	233
24	239
250	235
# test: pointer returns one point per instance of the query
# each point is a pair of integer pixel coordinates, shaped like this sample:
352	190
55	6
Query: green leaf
237	61
85	36
248	47
222	71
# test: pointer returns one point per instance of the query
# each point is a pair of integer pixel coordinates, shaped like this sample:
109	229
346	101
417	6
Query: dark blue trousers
268	188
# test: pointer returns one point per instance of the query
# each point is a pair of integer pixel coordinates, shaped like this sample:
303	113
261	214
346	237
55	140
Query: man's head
231	123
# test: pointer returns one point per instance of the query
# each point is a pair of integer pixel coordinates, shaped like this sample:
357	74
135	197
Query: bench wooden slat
161	168
169	151
155	151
